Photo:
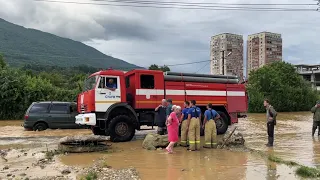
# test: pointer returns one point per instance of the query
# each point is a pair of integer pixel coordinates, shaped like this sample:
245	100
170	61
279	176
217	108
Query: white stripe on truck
189	92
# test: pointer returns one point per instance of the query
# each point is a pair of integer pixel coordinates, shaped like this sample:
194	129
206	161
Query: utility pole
222	62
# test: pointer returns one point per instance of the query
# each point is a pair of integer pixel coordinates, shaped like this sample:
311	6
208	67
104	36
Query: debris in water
65	172
154	141
77	144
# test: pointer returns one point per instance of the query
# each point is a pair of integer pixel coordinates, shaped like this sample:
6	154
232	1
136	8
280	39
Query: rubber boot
313	130
270	142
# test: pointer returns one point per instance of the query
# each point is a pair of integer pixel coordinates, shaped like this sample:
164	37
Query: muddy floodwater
293	141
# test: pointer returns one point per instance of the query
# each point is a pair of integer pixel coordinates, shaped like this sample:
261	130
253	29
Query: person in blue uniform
194	116
184	124
209	124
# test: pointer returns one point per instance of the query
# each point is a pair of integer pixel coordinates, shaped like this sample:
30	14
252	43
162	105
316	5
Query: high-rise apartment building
263	48
231	47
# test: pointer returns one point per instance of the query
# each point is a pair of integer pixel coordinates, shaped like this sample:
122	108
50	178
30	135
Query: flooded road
293	141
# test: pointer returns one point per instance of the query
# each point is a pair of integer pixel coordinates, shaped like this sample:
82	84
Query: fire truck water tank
201	75
200	79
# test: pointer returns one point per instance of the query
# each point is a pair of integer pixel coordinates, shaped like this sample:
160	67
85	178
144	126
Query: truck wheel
40	126
222	123
98	131
121	129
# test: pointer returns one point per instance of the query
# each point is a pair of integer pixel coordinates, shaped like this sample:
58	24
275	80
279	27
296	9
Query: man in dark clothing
271	121
161	117
316	118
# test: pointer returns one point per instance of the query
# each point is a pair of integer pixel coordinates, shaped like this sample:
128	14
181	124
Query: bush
283	86
19	90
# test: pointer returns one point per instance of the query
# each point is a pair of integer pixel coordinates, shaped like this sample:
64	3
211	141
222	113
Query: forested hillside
22	46
20	87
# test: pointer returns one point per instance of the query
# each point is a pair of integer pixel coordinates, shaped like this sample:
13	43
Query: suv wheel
121	129
40	126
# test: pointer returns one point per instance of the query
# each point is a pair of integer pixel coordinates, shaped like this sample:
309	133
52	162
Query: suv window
59	109
39	108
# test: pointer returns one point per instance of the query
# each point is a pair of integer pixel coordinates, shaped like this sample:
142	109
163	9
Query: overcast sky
144	36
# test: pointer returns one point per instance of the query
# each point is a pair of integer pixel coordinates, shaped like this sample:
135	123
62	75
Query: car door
105	97
38	112
73	113
59	115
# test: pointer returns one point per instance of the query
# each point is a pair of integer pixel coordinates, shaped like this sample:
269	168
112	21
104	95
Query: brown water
293	141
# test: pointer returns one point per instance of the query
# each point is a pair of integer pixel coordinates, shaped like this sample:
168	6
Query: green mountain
22	46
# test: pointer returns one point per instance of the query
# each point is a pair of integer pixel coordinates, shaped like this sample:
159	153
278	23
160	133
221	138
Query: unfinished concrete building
263	48
231	46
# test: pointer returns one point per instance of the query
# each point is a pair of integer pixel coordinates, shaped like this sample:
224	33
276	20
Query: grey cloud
166	36
123	27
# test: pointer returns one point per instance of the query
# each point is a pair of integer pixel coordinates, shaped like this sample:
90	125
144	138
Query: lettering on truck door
108	92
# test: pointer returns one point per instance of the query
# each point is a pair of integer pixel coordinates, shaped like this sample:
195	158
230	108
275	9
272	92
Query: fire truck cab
116	103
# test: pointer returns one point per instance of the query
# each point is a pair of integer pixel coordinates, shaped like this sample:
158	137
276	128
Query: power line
202	67
205	3
193	7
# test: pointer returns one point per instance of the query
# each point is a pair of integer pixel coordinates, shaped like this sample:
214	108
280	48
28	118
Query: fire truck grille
83	108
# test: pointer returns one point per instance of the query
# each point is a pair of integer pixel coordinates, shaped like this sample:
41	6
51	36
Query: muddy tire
98	131
222	123
41	126
121	129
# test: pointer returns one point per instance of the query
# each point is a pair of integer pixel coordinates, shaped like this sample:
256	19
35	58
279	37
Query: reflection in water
272	167
316	157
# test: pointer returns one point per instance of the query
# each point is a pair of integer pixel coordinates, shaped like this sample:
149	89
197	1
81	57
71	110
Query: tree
164	68
283	86
161	68
3	64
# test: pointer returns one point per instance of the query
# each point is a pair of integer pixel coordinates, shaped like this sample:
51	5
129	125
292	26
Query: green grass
308	172
90	176
302	171
50	154
281	161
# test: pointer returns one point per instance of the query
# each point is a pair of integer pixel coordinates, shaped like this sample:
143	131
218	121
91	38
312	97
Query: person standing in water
184	124
194	116
173	128
161	117
209	124
316	118
271	121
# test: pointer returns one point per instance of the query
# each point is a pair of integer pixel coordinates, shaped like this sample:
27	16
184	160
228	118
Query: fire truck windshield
90	83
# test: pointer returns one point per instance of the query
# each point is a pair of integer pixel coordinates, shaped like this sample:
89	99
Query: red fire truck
122	109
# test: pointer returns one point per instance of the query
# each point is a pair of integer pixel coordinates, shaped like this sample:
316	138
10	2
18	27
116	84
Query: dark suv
54	115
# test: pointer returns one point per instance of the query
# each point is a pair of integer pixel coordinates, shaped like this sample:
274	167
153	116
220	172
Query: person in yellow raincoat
209	124
194	116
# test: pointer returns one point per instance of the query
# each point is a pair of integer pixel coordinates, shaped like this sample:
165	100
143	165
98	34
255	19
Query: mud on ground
43	163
